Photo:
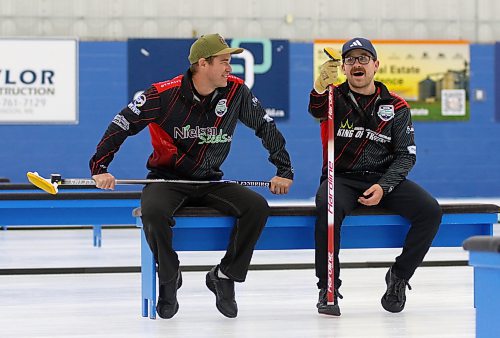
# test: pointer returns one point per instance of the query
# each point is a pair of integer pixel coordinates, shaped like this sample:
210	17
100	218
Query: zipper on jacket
365	124
375	104
366	119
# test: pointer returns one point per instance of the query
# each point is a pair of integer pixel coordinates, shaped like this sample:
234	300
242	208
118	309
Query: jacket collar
187	89
385	95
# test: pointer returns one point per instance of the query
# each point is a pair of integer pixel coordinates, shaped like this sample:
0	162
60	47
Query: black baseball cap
358	43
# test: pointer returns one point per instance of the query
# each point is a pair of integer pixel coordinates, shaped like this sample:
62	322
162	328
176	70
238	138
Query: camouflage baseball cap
210	45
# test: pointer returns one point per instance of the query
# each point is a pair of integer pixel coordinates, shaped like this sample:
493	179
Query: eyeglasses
362	59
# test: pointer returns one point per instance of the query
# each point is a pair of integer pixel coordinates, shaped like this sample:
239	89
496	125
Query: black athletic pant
407	199
160	201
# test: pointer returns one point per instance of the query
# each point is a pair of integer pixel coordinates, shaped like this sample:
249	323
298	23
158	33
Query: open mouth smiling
358	73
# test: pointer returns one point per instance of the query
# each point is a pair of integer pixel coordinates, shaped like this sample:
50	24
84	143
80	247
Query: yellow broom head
42	183
332	53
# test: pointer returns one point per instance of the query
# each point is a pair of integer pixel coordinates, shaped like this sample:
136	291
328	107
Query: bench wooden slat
309	210
290	210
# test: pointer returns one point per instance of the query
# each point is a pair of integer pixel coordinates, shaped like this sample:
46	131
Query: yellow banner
433	76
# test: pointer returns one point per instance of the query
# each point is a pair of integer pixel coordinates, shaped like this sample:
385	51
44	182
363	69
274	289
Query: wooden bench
21	206
292	227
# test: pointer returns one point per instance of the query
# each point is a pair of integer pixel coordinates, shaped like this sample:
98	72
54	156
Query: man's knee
154	215
434	212
259	204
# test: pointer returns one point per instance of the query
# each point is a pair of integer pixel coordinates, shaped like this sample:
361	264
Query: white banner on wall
38	81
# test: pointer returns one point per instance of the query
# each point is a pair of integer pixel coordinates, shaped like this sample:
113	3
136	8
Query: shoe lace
337	294
324	295
397	289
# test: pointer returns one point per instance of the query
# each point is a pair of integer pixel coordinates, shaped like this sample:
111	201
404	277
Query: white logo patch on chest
221	108
386	112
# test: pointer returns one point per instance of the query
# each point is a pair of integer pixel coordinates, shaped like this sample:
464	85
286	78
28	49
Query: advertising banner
38	81
264	65
433	76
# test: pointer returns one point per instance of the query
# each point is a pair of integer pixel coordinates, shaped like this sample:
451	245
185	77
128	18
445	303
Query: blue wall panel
455	159
496	80
66	149
248	158
460	159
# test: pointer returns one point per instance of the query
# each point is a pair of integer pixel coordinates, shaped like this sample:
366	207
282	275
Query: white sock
221	275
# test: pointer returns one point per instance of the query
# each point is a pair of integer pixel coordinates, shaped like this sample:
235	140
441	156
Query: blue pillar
485	258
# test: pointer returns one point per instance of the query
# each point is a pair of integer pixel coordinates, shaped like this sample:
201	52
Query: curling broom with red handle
331	308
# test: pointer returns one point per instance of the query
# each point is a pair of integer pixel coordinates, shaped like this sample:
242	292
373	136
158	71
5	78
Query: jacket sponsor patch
205	135
121	122
221	108
138	102
386	112
268	118
255	101
412	150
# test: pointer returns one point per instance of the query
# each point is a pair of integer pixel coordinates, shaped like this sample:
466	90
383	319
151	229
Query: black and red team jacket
191	136
375	138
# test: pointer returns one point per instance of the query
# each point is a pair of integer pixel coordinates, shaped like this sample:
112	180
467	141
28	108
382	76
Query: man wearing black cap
374	152
191	119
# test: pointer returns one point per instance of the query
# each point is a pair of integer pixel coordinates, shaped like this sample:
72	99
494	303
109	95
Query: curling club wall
455	159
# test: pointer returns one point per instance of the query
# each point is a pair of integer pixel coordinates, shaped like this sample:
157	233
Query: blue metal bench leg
148	278
97	235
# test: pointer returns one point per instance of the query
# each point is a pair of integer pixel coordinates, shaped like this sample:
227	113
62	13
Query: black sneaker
394	298
322	305
224	293
167	305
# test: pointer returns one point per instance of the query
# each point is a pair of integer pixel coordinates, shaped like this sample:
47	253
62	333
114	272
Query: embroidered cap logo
356	44
221	39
